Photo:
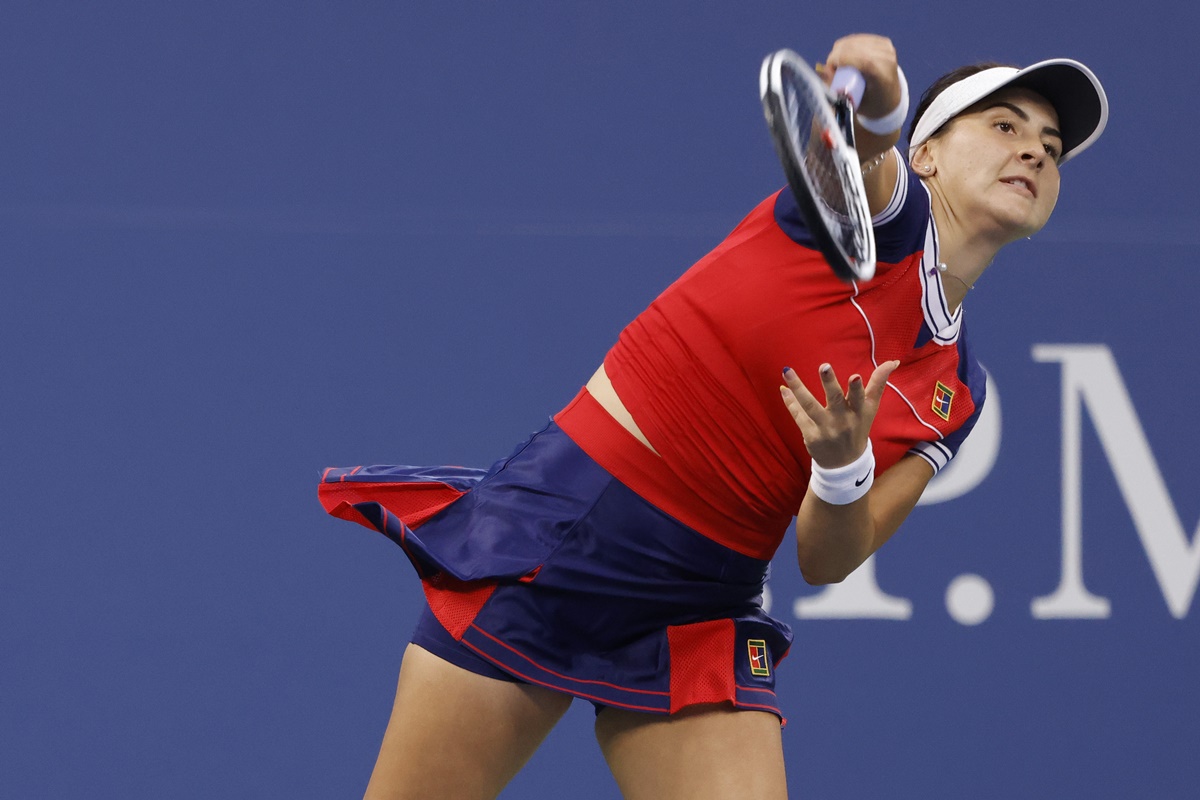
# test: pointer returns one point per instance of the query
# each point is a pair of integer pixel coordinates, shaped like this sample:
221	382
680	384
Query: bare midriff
601	388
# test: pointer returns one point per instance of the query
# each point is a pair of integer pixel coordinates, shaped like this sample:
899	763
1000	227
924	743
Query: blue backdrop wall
242	241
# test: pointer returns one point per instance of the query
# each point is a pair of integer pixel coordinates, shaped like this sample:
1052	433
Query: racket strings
826	172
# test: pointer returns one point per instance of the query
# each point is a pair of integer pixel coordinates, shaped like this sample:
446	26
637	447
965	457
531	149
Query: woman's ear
923	162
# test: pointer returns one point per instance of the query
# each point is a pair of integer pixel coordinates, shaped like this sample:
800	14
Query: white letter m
1090	378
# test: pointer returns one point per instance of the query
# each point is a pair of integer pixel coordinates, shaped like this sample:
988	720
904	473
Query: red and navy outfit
633	577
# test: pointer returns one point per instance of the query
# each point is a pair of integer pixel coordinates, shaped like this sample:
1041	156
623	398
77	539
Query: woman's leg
701	753
456	734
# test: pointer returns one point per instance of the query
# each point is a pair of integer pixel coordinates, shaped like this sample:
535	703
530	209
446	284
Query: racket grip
850	82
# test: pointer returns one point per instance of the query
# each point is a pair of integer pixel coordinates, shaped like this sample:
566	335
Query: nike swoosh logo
862	480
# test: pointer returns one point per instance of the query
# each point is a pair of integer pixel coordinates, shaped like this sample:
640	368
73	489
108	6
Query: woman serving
619	555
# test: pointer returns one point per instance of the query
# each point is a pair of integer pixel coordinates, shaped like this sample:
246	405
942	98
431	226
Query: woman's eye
1004	127
1052	151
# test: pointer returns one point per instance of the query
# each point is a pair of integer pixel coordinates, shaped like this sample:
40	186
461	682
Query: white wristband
843	485
882	126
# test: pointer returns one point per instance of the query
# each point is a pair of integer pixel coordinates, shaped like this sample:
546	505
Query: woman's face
996	164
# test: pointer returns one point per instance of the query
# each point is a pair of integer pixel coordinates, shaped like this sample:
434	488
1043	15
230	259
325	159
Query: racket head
820	161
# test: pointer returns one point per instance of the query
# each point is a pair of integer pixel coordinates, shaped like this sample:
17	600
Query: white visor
1073	90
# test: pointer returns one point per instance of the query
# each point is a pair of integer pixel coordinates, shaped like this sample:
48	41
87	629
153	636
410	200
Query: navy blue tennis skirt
548	569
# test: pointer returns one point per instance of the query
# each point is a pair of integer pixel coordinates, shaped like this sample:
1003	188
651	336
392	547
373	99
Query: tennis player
619	555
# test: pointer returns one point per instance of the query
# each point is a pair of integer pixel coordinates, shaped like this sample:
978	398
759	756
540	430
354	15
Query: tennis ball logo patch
943	396
759	665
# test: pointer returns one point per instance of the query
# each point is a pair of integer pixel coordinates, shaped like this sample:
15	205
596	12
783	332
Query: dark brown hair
944	82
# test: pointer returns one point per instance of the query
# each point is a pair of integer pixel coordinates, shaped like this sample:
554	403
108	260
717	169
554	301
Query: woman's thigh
701	753
457	734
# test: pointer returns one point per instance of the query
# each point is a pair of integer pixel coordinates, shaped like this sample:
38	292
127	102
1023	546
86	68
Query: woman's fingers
879	379
803	420
855	393
834	397
875	57
804	399
870	53
856	399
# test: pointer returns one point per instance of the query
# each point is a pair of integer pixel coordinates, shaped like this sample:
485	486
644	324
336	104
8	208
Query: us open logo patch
759	665
943	396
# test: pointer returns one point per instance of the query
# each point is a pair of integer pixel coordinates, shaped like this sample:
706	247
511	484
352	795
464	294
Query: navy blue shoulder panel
788	218
971	373
900	228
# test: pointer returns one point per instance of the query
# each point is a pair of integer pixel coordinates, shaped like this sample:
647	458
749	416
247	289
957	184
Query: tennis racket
812	126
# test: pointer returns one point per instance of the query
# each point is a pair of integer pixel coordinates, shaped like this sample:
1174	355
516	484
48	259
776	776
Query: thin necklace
942	268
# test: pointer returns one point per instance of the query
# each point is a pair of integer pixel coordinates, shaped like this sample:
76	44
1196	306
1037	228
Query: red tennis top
700	369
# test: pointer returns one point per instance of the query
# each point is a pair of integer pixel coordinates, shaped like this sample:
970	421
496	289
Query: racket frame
834	114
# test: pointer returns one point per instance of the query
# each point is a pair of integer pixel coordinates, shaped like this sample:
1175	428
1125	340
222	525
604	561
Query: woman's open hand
836	433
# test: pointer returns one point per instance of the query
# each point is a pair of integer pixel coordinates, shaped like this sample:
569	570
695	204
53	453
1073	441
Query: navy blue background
244	241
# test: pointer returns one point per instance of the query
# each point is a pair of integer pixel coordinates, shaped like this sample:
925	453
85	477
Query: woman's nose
1034	155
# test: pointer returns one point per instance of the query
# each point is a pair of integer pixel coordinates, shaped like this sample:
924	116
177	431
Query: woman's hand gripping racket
813	129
